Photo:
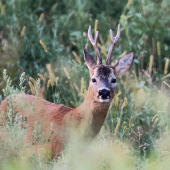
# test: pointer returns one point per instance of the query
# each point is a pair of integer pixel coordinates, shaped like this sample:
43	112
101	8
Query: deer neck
93	113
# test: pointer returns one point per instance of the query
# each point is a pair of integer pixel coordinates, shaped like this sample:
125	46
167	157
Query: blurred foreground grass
135	134
47	38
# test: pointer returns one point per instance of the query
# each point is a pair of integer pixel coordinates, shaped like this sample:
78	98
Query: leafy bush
47	38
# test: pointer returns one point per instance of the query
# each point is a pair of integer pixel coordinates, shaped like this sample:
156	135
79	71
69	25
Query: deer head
103	77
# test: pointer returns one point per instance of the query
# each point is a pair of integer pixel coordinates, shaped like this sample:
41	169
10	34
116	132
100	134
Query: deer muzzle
104	94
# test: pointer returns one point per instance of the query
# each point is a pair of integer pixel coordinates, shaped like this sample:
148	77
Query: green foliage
139	115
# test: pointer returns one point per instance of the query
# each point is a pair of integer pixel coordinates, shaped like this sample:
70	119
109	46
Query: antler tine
113	43
94	43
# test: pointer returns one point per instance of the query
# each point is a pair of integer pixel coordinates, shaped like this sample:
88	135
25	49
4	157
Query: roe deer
91	113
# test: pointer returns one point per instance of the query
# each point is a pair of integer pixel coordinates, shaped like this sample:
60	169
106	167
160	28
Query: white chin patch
114	85
104	100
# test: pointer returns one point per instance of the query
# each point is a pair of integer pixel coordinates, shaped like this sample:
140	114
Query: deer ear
123	64
89	60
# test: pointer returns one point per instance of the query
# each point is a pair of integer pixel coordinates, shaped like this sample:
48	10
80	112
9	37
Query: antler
113	43
94	43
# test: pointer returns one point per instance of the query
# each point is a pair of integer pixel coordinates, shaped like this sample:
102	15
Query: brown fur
64	119
85	120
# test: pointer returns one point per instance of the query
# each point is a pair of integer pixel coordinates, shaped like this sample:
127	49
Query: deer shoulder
85	120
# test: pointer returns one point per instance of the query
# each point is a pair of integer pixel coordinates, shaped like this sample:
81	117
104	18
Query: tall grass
135	134
45	39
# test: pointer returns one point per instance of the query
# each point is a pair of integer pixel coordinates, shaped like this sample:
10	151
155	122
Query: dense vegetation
47	37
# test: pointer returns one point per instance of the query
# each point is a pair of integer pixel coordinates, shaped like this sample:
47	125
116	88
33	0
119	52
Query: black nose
104	94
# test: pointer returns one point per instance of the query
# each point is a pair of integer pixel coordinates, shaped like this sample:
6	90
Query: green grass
135	136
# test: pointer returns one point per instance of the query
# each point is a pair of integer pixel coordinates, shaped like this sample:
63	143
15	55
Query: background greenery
139	115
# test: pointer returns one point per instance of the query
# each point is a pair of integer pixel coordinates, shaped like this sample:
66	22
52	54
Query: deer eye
93	80
113	80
